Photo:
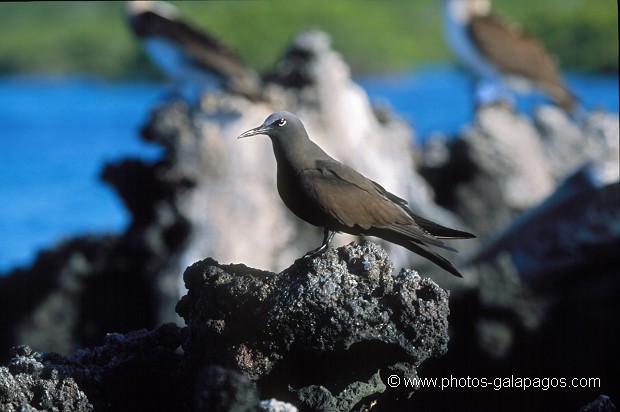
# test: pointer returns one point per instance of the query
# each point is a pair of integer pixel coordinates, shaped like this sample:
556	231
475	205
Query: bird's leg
327	239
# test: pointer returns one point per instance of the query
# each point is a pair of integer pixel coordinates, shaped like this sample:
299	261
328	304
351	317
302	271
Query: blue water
57	133
438	98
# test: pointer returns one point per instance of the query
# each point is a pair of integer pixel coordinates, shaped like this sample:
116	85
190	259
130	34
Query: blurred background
75	86
115	188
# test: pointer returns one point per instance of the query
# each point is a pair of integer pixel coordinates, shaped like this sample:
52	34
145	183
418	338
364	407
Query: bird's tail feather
416	243
441	232
433	257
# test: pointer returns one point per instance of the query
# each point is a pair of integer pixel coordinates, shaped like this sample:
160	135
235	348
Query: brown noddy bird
331	195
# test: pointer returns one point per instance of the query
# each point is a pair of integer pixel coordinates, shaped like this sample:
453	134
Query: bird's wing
513	50
220	59
349	198
204	49
350	175
354	200
517	53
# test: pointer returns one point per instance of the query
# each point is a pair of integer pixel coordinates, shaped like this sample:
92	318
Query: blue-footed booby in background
192	58
498	52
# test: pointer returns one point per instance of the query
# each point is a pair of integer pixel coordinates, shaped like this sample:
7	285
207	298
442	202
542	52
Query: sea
58	132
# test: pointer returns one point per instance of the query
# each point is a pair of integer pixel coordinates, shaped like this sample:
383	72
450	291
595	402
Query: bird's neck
281	158
297	156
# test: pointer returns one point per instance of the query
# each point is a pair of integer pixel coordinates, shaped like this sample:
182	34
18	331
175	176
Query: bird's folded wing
349	197
352	176
513	50
354	200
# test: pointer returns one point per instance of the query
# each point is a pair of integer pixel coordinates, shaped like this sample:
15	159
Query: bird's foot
327	239
316	252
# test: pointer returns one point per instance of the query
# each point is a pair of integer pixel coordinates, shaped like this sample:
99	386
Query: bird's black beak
262	129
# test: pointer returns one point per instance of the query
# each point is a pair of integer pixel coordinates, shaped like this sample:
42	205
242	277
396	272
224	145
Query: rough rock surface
220	389
601	404
324	334
137	371
28	384
330	328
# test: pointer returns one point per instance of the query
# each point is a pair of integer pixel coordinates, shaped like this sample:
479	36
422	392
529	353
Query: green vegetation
373	35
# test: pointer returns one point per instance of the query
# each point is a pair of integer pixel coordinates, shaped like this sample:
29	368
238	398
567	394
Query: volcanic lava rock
323	334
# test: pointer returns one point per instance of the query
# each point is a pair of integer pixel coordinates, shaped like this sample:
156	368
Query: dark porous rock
29	384
138	371
220	389
323	333
601	404
135	371
319	398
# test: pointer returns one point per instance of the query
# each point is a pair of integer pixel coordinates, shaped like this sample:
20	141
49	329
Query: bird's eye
281	122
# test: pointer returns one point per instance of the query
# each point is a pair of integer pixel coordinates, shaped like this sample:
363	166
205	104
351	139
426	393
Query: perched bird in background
331	195
192	58
499	52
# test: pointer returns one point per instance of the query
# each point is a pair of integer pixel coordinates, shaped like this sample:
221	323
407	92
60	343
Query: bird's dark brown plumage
329	194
